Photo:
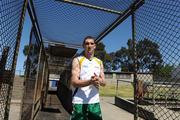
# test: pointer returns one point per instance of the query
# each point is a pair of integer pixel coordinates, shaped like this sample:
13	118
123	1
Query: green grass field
125	91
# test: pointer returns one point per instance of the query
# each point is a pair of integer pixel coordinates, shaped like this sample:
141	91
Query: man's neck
89	55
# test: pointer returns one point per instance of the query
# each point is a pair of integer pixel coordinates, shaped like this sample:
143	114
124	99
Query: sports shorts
86	112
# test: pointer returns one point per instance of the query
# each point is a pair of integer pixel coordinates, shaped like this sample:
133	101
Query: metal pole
91	6
117	88
137	4
135	66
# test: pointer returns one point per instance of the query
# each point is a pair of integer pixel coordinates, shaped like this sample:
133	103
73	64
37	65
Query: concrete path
112	112
55	111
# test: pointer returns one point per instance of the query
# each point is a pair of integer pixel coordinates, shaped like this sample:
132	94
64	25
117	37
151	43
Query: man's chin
89	52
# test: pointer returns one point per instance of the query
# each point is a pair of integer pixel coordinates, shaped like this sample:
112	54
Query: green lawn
125	91
108	90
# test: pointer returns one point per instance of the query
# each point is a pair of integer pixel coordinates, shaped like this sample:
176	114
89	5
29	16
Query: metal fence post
135	66
117	87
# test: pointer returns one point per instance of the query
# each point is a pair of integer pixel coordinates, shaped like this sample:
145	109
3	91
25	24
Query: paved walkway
112	112
55	111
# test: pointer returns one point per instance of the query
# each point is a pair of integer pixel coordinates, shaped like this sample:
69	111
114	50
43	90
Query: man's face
89	46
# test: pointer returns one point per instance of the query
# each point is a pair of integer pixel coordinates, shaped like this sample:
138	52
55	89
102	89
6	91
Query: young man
87	76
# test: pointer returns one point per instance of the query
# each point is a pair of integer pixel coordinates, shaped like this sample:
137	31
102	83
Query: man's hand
99	78
95	81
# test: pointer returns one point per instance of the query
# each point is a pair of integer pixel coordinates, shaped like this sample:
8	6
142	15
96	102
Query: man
87	76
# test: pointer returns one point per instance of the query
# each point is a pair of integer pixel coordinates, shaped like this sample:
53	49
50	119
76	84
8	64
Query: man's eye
89	43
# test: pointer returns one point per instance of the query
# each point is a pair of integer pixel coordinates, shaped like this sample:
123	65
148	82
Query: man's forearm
81	83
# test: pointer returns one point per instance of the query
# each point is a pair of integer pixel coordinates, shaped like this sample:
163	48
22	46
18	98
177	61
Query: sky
119	35
24	41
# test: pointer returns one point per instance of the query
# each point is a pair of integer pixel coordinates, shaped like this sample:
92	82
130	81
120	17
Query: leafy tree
25	50
122	60
163	72
148	56
102	54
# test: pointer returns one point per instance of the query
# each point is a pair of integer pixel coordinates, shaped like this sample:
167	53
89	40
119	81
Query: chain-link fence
157	35
36	78
124	86
157	32
11	21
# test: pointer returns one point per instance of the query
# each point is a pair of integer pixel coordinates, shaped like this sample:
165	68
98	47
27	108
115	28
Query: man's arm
101	78
75	81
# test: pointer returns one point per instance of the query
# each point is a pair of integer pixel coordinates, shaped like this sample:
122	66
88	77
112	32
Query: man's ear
95	47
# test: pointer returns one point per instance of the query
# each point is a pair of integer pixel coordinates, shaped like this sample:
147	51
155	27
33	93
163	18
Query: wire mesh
158	56
30	77
70	23
119	5
36	78
10	15
124	86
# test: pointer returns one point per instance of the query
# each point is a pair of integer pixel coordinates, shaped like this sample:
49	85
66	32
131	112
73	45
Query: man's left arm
101	76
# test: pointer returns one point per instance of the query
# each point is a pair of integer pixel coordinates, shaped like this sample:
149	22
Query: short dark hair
88	37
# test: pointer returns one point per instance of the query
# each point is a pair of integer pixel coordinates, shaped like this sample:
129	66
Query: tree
121	59
25	52
102	54
164	72
148	56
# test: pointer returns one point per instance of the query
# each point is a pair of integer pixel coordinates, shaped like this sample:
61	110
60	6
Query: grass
164	92
108	90
125	90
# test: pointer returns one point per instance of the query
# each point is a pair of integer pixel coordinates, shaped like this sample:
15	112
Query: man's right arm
75	81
